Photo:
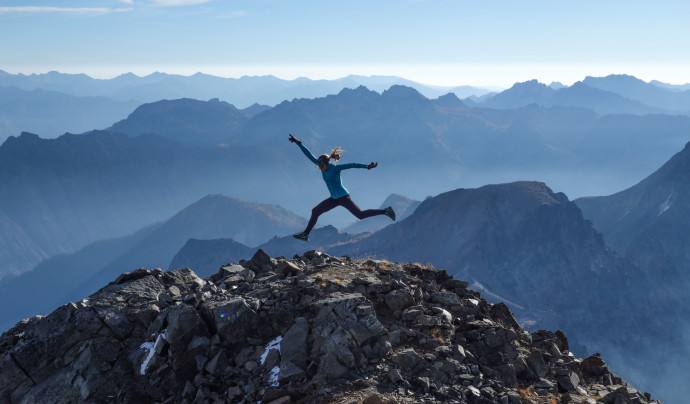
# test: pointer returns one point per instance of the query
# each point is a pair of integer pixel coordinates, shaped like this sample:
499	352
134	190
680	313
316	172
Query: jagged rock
314	329
293	347
399	299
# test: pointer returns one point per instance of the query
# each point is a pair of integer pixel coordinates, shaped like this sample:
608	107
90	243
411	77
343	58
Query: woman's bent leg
348	204
321	208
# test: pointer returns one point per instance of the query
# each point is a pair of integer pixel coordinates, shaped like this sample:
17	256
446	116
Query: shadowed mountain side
16	248
402	205
187	121
650	223
71	277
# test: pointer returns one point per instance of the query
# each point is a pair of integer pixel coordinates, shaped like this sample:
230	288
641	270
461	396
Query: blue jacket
332	174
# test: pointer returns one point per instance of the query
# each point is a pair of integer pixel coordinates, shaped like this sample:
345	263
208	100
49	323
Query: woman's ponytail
335	154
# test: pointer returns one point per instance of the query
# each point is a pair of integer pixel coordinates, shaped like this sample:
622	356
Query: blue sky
442	42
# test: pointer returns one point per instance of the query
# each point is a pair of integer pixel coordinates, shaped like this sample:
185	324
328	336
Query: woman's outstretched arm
357	165
304	149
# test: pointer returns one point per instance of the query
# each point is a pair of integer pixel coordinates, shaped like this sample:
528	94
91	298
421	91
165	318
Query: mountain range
52	113
186	149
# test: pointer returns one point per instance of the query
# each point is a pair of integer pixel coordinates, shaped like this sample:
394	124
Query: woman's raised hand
372	165
294	140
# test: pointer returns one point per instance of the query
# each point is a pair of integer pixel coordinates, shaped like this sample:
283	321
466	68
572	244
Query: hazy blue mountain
402	205
189	121
242	92
579	94
650	223
52	113
662	97
672	87
467	91
71	277
67	192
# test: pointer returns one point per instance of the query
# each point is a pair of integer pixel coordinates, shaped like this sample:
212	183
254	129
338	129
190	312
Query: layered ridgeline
314	328
52	113
650	223
65	193
70	277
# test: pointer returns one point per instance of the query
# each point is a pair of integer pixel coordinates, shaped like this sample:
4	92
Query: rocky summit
311	329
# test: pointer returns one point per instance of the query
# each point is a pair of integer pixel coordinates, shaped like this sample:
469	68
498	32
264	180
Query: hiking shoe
390	213
301	236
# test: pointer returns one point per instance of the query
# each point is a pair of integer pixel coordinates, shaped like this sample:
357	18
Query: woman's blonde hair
335	154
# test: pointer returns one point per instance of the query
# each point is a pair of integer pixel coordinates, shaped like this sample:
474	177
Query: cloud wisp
62	10
175	3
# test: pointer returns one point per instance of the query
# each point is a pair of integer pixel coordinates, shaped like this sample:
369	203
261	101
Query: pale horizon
434	42
487	76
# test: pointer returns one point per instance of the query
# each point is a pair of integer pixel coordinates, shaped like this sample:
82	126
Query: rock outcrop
310	329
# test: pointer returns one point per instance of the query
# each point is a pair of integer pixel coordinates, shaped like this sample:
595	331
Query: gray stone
443	314
446	298
184	323
287	268
394	375
408	360
399	299
568	382
290	372
330	367
293	346
536	362
260	262
217	364
233	319
411	313
593	366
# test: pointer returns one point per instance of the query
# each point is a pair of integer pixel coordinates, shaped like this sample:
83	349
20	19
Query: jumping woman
339	195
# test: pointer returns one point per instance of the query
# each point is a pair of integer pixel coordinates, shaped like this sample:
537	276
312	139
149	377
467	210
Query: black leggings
345	202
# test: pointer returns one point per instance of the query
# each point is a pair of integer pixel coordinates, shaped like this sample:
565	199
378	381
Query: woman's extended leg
321	208
348	204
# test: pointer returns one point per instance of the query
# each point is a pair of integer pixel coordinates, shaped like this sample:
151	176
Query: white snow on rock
151	347
665	205
275	344
273	377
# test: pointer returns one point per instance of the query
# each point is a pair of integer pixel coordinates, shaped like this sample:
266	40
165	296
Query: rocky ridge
310	329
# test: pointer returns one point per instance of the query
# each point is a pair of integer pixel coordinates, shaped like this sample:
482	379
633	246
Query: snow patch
273	377
151	347
275	344
665	205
